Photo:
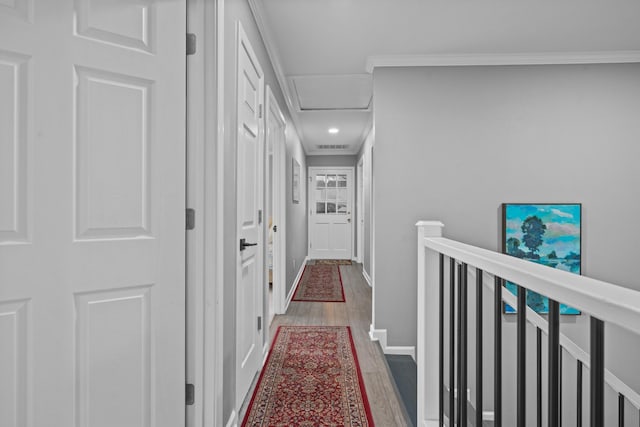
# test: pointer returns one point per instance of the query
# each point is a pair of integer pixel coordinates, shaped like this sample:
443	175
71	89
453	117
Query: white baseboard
296	281
367	277
265	352
233	421
380	335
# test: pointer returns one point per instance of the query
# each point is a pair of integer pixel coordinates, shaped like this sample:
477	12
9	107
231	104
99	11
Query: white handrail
608	302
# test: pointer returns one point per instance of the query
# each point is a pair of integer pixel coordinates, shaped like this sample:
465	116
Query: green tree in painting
512	245
552	255
532	231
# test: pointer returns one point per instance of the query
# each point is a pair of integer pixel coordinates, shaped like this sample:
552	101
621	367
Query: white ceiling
321	49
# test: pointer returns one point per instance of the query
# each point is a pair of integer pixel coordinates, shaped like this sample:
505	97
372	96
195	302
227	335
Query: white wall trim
233	420
367	278
380	335
205	191
539	58
274	56
296	282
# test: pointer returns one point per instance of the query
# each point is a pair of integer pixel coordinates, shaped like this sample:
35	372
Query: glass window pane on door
320	181
342	208
331	180
331	208
331	194
342	180
342	195
320	207
321	195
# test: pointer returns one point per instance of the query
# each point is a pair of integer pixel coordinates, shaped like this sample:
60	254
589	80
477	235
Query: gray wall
296	212
238	10
331	161
475	137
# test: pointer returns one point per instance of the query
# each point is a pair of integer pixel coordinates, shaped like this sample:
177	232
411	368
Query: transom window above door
331	194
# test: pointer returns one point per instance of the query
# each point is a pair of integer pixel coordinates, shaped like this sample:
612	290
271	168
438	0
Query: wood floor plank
386	408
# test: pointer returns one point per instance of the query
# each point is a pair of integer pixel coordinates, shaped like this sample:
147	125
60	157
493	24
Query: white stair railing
603	302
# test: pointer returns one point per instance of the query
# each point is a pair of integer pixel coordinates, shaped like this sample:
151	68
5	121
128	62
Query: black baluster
597	372
579	395
478	347
560	388
441	342
459	354
620	410
554	351
497	387
462	389
452	339
539	377
521	366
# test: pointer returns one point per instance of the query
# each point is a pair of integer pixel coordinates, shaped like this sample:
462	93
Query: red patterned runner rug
334	261
311	378
320	283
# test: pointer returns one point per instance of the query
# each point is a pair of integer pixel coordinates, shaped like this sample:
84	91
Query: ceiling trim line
269	44
540	58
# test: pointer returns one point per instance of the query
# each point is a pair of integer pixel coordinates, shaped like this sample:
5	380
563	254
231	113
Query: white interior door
92	182
330	224
275	137
360	211
250	269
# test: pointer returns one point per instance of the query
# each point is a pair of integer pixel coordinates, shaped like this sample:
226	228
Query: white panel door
330	225
92	178
250	267
275	126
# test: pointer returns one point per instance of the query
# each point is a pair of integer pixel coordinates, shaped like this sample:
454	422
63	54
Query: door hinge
260	111
259	323
259	216
275	228
191	219
190	395
191	43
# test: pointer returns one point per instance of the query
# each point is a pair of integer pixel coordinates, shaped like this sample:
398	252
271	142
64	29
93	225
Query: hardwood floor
386	408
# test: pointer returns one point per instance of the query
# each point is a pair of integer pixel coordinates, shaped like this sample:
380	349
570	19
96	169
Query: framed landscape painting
547	234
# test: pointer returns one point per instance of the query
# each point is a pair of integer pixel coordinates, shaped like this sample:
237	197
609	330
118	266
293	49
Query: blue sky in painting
562	221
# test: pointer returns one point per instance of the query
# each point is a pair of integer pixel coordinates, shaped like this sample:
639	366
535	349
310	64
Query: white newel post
427	352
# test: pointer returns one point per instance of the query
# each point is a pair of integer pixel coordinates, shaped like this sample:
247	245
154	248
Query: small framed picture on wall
296	181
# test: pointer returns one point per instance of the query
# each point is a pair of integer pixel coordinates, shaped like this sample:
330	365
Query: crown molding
541	58
272	51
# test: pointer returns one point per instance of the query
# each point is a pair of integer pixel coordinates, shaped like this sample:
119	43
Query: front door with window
330	220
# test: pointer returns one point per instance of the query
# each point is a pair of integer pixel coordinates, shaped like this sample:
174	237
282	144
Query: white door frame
205	184
279	189
360	210
310	171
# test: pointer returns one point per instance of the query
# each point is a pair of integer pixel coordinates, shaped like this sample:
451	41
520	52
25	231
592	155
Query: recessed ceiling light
334	130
